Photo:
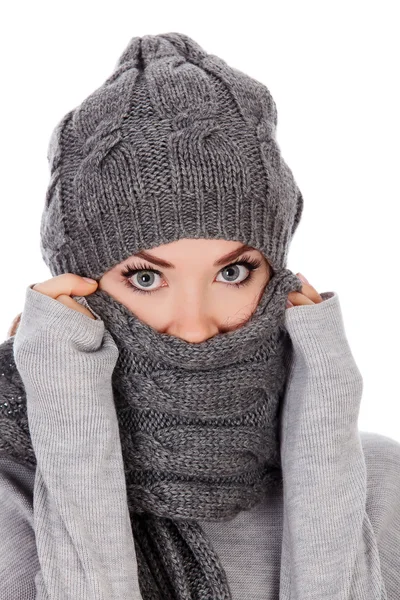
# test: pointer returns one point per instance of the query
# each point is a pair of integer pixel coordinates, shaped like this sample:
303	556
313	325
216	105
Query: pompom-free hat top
177	144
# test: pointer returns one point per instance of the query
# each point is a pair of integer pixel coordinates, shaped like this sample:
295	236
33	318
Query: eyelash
248	261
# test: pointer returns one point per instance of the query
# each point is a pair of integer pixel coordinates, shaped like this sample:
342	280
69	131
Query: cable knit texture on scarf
199	428
199	431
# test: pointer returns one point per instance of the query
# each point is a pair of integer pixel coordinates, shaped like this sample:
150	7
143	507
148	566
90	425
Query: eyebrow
218	263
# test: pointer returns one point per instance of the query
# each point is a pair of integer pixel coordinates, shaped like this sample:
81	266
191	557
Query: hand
308	294
63	286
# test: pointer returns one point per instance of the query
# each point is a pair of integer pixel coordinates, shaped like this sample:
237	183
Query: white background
333	70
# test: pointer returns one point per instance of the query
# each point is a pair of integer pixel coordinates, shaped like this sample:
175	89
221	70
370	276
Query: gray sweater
332	531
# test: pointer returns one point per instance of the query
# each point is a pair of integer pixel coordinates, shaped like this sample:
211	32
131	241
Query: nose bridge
192	317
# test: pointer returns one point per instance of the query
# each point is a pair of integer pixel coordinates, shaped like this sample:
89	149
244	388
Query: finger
297	298
70	303
66	283
310	291
14	325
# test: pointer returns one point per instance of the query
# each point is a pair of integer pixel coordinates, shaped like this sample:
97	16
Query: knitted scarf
199	428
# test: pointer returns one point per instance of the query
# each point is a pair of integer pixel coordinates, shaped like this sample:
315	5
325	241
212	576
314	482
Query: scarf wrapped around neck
199	428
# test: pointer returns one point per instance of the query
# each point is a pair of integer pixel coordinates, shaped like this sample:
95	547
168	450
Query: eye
235	275
146	276
241	272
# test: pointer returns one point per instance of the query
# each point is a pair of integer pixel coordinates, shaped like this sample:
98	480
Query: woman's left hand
308	294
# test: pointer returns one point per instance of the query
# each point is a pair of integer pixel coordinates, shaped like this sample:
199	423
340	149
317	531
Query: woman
174	428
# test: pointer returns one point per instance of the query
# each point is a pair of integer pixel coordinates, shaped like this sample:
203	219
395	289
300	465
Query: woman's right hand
62	287
55	335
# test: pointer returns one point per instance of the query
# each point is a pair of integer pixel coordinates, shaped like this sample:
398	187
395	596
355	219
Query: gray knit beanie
175	144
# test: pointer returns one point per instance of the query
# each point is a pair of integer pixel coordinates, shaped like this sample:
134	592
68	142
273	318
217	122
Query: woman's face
191	288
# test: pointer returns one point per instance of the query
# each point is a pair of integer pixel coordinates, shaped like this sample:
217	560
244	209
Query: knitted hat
175	144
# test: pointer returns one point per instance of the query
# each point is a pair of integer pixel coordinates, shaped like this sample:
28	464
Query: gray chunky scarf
199	428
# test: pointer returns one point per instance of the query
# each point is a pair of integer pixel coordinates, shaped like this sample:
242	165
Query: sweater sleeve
84	540
329	548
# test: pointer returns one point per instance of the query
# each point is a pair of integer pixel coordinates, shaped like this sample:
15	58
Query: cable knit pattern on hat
174	144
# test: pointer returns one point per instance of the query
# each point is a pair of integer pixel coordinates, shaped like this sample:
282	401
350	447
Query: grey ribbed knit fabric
199	430
331	530
174	144
177	144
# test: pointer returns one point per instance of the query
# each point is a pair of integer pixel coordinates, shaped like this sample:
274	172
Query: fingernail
89	280
303	278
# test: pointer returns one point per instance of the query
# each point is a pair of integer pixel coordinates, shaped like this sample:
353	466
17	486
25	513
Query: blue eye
147	274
